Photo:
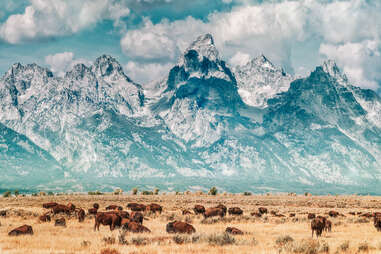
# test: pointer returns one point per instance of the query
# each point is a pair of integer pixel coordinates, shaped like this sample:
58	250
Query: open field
350	233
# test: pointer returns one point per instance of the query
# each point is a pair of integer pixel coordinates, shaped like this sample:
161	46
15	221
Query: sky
148	36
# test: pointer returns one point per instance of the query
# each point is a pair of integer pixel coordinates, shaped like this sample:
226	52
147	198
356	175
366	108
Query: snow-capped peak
204	46
330	67
18	69
106	65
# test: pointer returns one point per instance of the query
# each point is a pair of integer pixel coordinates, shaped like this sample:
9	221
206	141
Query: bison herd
115	217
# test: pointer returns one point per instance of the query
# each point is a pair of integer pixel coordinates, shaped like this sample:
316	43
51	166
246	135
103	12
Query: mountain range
247	128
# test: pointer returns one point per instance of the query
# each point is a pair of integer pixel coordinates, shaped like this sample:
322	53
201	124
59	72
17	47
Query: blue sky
147	36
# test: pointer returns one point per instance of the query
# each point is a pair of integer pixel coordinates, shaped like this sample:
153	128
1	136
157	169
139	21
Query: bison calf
235	211
60	222
136	228
233	231
23	230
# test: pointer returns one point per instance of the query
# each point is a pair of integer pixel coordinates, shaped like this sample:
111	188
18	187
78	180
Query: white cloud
144	73
49	18
60	63
239	59
290	33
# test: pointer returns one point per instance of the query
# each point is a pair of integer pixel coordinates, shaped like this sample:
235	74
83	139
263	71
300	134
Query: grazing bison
292	214
92	211
214	211
311	216
333	214
114	207
235	211
136	228
352	213
49	205
180	227
317	224
96	206
81	215
45	218
71	207
262	210
377	222
136	207
23	230
186	212
221	206
256	214
137	217
61	209
61	222
111	219
154	208
328	226
199	209
233	231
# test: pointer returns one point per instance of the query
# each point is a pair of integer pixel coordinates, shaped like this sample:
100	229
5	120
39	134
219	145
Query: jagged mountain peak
29	69
329	66
107	66
78	72
203	47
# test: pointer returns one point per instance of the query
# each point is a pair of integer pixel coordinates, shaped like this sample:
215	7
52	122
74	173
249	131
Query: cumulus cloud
145	73
60	63
293	34
50	18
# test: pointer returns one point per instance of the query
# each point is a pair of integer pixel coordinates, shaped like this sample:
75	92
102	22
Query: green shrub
50	193
282	240
7	194
247	193
34	194
95	193
221	239
134	191
16	192
156	191
213	191
147	192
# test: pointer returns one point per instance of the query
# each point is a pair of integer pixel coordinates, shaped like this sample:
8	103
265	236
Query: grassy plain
269	234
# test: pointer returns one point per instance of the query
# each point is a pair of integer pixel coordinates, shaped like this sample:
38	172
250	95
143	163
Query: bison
256	214
124	221
61	209
81	215
136	228
311	216
262	210
71	207
111	219
377	223
317	224
23	230
214	211
186	212
180	227
221	206
114	207
136	207
328	226
96	206
292	215
199	209
3	213
45	218
61	222
233	231
333	214
235	211
137	217
154	208
92	211
49	205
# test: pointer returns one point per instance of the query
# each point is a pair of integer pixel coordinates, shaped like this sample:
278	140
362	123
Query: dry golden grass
262	235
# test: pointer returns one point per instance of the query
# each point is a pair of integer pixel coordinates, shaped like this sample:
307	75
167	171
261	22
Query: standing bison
317	226
136	207
23	230
262	210
180	227
211	212
49	205
154	208
377	222
107	219
224	208
81	215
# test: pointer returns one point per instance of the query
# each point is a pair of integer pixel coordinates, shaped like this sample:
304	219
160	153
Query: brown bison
137	217
262	210
61	222
333	214
214	211
136	207
49	205
221	206
92	211
136	228
233	231
122	214
107	219
292	215
180	227
199	209
256	214
352	213
311	216
367	215
96	206
23	230
317	224
186	212
328	226
377	223
235	211
45	218
124	221
71	207
61	209
81	215
3	213
114	207
154	208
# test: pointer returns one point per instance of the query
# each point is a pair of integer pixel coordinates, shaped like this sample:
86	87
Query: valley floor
268	234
